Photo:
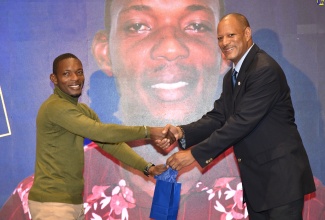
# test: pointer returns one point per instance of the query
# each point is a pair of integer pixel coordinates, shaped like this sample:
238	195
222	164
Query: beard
76	96
131	111
138	114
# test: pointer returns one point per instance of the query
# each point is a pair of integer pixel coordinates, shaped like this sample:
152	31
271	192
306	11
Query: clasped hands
164	137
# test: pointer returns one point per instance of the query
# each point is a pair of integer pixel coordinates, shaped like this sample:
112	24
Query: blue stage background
33	33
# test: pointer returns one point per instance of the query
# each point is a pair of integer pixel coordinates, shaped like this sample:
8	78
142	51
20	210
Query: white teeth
169	85
77	86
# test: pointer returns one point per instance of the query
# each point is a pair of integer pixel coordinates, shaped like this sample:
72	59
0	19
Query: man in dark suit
256	116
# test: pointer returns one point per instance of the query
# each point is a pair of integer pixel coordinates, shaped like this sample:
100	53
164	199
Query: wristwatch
146	169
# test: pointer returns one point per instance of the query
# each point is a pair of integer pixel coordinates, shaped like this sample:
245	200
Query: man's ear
53	78
248	33
100	50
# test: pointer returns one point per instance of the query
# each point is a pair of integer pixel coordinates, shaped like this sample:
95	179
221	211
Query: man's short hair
241	18
108	17
58	59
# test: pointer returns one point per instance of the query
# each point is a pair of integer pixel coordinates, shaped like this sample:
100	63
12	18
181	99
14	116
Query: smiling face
165	57
69	77
234	37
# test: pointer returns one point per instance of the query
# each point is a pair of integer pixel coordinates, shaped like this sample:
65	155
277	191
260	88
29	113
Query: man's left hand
158	169
180	159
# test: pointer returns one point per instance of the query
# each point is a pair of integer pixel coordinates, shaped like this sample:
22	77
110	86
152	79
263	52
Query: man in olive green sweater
62	124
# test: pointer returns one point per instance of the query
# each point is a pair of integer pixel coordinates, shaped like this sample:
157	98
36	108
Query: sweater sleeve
83	121
125	154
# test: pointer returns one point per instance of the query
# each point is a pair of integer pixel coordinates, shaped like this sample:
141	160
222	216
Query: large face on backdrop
165	57
166	61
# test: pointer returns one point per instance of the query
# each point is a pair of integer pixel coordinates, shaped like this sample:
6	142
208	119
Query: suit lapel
228	91
244	70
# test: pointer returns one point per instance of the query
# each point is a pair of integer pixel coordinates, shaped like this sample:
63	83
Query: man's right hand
164	138
169	131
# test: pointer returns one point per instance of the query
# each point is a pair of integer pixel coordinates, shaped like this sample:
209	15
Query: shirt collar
240	62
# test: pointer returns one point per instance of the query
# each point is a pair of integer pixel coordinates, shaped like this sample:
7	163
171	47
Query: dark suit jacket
257	118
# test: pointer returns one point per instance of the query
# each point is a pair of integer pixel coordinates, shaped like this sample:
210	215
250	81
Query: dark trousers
290	211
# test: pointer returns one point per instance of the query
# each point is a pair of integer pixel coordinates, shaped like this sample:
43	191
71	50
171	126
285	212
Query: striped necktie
234	77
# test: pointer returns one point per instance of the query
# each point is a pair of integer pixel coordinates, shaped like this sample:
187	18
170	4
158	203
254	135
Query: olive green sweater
62	124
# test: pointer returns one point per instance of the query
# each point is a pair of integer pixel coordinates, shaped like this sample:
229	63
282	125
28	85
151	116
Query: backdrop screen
119	47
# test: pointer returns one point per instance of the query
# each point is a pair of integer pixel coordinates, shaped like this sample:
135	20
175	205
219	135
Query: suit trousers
290	211
55	211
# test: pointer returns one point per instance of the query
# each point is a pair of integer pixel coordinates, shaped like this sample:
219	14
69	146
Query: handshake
164	137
